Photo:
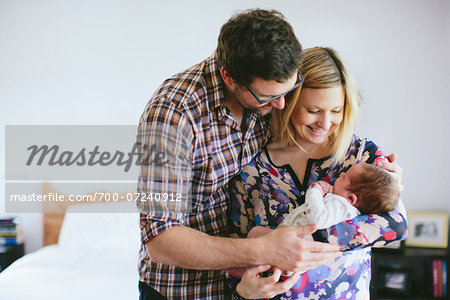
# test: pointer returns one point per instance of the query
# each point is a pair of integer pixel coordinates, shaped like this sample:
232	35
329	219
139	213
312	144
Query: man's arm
284	248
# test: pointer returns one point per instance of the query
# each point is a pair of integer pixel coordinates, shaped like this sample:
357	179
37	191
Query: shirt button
302	193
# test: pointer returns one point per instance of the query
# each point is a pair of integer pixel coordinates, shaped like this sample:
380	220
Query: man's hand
323	186
285	248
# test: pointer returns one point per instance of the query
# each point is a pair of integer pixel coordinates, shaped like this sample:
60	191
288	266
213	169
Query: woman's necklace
295	142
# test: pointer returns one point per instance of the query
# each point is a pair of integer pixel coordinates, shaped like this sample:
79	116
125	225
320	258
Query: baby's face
342	184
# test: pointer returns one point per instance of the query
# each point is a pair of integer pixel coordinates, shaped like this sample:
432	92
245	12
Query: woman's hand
393	167
253	286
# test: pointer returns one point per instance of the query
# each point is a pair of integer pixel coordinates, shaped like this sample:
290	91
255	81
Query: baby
363	189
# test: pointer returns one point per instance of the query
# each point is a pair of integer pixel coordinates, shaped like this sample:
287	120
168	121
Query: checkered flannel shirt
189	115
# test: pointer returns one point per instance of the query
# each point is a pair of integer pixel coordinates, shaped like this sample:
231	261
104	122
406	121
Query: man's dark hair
258	43
376	189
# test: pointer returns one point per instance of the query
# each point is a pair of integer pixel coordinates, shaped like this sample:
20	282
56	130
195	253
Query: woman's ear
353	199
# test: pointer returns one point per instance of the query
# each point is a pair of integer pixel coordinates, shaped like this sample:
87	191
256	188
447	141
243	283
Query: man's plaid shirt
193	103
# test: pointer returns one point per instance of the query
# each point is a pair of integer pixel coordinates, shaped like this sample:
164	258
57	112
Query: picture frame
427	229
394	281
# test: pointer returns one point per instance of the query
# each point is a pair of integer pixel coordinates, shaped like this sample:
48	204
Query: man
208	122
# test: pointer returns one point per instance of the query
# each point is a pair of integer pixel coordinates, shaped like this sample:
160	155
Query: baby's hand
323	186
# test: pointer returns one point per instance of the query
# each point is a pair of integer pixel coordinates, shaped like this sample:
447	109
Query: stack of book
10	231
439	277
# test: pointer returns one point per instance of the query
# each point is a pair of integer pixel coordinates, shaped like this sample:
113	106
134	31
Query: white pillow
104	226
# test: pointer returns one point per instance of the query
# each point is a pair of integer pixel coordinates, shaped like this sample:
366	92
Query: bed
95	258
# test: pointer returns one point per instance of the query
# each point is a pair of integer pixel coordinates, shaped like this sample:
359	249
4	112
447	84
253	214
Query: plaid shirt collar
214	83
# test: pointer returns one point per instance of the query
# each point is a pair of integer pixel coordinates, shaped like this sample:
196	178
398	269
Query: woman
313	140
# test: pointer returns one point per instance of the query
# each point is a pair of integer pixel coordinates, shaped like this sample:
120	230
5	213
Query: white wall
98	62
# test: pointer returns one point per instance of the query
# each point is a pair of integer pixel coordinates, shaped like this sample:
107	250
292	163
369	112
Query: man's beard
260	111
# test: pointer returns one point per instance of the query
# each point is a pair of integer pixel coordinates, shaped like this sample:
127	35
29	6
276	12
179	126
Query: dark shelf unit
9	254
410	271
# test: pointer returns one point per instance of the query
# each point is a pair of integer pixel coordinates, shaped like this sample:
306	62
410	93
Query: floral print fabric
263	194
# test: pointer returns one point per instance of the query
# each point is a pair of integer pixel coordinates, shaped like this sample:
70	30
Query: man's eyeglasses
262	101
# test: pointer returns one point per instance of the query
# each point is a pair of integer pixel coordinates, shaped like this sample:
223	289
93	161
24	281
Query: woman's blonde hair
321	68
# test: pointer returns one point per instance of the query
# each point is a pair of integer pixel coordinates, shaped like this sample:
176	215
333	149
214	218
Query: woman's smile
317	130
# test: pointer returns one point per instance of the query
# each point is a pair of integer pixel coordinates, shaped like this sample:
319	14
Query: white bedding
54	273
96	258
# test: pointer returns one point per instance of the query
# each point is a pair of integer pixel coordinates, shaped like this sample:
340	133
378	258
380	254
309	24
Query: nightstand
10	253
